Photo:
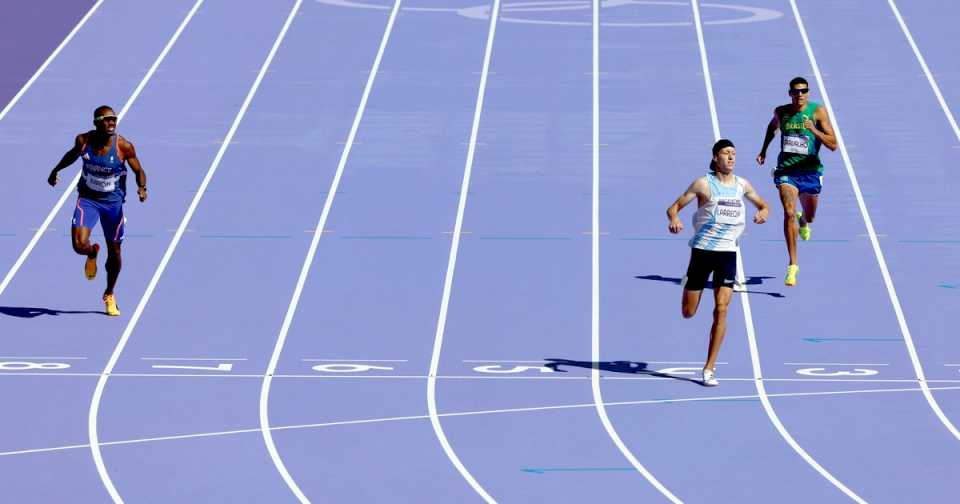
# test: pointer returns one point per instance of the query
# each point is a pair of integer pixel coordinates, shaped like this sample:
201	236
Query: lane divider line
595	275
265	429
118	350
874	241
745	301
452	264
926	69
49	60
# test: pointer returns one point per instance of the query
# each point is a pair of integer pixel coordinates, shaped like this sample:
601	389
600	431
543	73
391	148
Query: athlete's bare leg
721	297
788	197
113	266
80	236
809	204
690	302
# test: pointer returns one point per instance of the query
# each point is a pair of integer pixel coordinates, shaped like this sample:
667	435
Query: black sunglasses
799	91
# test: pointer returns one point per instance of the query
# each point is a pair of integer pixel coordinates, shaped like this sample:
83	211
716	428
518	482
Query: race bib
729	211
796	144
100	184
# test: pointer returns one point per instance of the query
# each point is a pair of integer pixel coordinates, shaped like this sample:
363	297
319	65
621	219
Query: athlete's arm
826	135
130	155
696	189
772	128
753	197
66	160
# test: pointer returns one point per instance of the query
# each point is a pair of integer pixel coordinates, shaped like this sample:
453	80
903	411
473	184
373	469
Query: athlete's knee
720	311
80	246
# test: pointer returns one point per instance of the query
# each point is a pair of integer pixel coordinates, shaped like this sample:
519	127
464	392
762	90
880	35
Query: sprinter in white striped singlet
718	224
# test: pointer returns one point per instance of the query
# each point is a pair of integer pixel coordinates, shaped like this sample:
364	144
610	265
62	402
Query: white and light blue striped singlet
721	221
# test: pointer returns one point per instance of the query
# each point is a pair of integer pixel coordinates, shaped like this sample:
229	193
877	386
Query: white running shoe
710	378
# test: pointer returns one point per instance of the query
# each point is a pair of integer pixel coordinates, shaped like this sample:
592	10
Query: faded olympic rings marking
752	14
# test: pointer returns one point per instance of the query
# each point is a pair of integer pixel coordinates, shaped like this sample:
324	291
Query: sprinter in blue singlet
102	191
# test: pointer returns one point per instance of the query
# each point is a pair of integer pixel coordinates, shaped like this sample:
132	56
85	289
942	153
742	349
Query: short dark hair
798	80
101	109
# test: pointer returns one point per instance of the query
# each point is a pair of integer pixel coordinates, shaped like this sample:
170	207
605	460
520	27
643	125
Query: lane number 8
23	365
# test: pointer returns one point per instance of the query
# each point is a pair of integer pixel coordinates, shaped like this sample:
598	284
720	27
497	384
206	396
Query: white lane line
69	188
448	377
308	262
461	414
118	350
595	275
46	63
452	264
745	300
926	69
877	251
830	364
215	359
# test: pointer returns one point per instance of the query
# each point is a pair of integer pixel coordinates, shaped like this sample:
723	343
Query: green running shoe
804	228
791	279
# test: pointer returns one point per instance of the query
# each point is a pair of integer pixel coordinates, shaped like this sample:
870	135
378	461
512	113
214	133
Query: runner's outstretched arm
772	128
67	160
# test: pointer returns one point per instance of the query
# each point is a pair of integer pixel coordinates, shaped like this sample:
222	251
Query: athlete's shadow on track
754	280
628	367
27	312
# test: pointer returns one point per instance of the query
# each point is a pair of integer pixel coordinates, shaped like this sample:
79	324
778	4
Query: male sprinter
804	126
718	223
102	191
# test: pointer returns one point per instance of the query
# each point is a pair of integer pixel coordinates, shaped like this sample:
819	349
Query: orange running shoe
111	304
90	266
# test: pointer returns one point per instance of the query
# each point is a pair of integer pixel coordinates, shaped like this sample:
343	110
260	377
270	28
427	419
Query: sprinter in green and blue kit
804	126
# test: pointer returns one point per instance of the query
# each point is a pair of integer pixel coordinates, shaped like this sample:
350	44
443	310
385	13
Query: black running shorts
723	265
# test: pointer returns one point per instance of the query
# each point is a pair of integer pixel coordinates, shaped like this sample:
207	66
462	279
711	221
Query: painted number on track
219	367
349	368
27	366
498	369
819	371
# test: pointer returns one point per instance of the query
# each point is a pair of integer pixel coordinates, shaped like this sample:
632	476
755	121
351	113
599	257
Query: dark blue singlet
104	177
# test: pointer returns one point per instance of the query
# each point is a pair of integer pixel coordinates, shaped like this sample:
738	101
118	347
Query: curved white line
874	241
118	350
46	63
482	12
452	264
529	409
308	262
595	275
747	315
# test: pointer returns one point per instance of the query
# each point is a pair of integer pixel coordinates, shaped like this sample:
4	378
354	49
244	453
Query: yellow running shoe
791	279
111	304
90	266
804	228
